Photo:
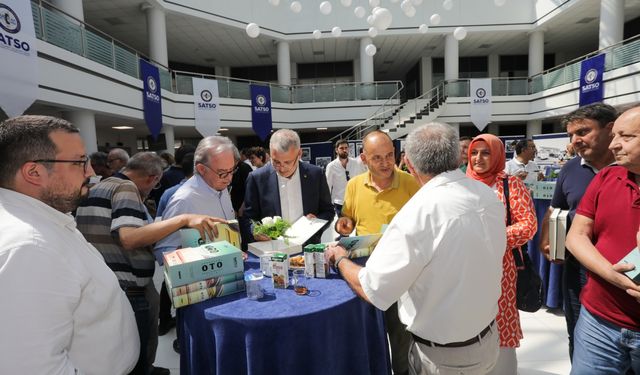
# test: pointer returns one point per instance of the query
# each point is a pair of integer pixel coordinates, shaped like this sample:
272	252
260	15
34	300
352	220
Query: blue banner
261	110
591	85
151	97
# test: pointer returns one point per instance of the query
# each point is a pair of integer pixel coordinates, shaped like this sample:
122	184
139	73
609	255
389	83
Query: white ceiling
197	41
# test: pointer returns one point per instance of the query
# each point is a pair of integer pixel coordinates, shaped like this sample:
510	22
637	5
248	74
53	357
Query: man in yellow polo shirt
371	200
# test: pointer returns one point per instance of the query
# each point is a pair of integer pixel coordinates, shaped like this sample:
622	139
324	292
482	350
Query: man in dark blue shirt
589	129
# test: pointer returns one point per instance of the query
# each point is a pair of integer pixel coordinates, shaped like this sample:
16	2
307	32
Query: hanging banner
261	110
591	86
480	108
18	56
151	97
206	106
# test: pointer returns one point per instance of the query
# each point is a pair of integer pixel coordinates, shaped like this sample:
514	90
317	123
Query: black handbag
529	285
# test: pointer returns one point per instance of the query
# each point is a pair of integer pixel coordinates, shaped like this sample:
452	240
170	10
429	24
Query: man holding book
603	232
63	310
441	254
115	220
371	200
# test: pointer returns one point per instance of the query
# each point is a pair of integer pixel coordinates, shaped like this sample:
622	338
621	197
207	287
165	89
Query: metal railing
617	56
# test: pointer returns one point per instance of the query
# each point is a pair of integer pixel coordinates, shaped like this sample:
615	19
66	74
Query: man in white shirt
522	165
63	311
338	173
441	254
287	187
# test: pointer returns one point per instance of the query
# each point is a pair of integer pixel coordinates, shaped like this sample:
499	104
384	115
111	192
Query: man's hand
344	226
522	174
623	282
204	224
334	251
261	237
311	216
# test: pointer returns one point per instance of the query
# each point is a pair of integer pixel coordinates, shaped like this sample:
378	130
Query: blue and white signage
151	97
591	85
19	57
261	110
206	106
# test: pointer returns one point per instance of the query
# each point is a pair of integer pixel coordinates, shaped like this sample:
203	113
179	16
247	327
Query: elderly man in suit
287	187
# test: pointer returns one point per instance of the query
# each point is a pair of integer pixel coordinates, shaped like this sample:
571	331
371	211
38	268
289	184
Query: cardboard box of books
189	265
226	232
299	233
205	289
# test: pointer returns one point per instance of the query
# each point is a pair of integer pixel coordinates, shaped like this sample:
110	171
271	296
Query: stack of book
557	233
197	273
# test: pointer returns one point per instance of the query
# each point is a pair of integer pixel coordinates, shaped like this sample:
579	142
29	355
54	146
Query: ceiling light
223	129
122	127
321	128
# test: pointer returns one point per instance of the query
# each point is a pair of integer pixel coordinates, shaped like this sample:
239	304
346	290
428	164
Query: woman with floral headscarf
486	157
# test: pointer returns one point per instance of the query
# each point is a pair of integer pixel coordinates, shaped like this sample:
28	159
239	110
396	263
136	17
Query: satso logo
261	100
153	88
589	78
480	95
206	96
10	23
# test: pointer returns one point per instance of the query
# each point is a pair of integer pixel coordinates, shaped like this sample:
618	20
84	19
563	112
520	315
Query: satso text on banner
261	110
151	97
206	106
480	107
19	57
591	85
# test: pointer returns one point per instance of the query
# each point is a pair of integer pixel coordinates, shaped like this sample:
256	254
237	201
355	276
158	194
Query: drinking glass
300	282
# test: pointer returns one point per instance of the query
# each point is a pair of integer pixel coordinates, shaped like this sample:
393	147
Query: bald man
371	200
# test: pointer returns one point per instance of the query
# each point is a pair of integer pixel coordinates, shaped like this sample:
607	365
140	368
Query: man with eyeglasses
117	159
115	220
339	171
287	187
60	301
371	200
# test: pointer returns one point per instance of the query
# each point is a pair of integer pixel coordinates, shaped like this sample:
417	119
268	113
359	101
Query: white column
451	57
536	52
71	7
611	22
85	121
284	64
426	74
294	72
157	31
169	136
534	127
493	62
356	70
366	61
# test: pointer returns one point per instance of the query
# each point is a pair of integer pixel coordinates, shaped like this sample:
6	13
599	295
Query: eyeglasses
224	174
84	162
286	163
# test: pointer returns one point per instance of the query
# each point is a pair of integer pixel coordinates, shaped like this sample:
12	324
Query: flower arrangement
272	227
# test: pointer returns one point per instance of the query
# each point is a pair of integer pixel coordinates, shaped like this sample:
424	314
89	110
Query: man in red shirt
605	230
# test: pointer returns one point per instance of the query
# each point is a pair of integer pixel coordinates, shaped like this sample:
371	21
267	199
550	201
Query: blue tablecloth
330	331
550	273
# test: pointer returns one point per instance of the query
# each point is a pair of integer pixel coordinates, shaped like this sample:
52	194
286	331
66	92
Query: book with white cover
553	231
298	234
360	246
633	258
561	236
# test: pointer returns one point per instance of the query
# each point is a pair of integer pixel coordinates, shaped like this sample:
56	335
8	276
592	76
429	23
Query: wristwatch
337	262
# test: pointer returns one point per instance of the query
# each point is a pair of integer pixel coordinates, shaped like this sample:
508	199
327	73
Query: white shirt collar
40	208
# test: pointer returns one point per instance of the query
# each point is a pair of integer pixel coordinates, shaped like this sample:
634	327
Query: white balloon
373	32
417	2
423	28
405	4
275	3
499	3
374	3
410	12
382	18
460	33
336	31
317	34
435	19
370	19
394	1
325	7
253	30
345	3
295	6
359	12
447	4
370	50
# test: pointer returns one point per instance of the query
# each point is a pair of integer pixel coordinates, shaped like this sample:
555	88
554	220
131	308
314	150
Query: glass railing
499	87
